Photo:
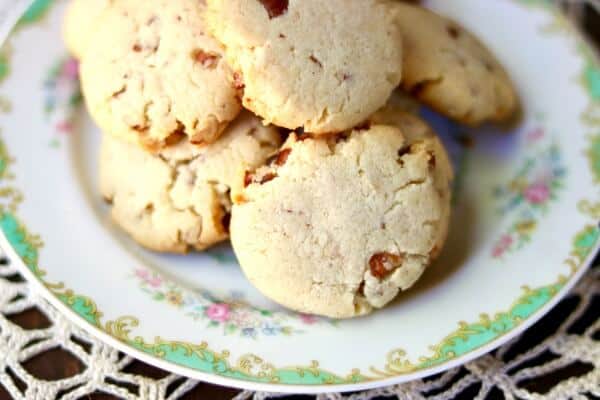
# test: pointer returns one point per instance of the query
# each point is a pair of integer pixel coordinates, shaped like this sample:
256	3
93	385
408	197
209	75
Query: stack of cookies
284	126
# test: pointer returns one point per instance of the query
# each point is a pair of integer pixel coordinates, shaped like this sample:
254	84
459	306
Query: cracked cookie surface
179	199
323	66
449	69
338	225
154	76
80	23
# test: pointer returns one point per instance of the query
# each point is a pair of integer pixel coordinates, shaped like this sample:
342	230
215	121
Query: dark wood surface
58	364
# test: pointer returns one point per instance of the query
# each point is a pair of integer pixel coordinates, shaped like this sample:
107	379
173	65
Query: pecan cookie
80	23
154	76
325	66
338	225
449	69
179	199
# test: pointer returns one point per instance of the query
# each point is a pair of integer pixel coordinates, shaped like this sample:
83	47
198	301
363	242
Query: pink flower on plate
503	244
538	193
70	69
142	273
308	319
535	134
64	127
219	312
148	277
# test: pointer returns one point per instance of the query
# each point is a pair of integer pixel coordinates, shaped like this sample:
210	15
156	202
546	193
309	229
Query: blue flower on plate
249	332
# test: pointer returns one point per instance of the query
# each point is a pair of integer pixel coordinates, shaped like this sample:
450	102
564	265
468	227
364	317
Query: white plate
524	229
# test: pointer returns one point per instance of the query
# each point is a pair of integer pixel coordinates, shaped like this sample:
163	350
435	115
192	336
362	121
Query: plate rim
43	290
125	348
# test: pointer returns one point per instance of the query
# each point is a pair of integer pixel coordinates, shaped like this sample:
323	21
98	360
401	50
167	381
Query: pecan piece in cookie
206	59
383	264
238	81
262	178
282	157
248	178
275	8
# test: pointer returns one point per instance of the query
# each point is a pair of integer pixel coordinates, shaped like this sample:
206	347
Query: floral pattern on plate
233	315
62	96
529	193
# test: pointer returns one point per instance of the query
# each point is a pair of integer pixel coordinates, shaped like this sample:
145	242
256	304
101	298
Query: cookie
179	199
321	66
154	76
450	70
80	23
338	226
